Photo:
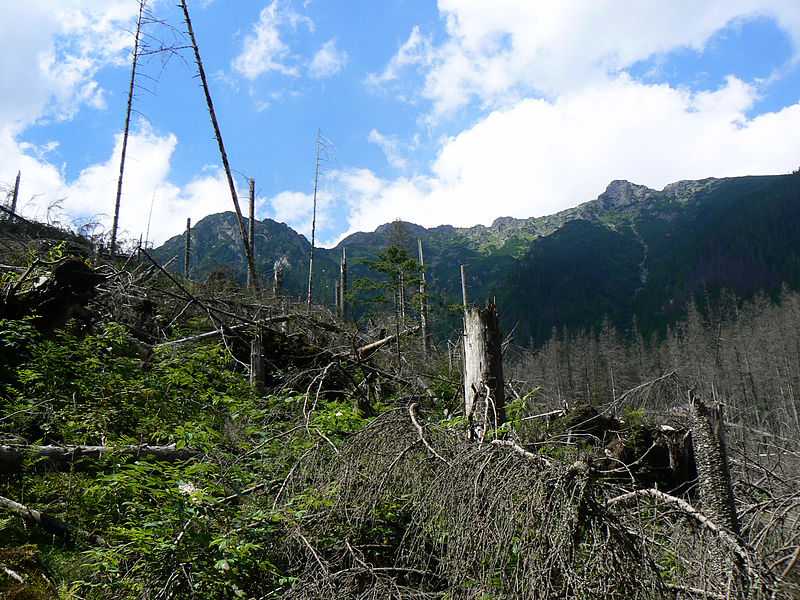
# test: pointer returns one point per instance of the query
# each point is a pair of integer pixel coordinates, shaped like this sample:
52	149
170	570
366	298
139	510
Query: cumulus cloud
57	50
263	50
296	209
540	156
328	61
496	51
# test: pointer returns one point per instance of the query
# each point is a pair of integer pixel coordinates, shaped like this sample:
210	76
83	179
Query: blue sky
456	111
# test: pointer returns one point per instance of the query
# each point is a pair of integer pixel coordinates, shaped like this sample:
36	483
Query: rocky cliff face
622	193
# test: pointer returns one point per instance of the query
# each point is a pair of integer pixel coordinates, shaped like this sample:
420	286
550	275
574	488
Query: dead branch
687	509
412	413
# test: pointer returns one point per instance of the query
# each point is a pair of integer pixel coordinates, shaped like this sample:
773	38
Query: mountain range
633	256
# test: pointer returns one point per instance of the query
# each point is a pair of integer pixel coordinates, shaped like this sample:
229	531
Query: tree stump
484	397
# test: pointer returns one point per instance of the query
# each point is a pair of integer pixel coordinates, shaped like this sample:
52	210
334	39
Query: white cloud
328	61
393	148
57	50
496	51
263	49
296	209
416	51
538	156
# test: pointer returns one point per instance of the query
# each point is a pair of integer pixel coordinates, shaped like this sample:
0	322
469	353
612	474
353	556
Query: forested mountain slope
631	253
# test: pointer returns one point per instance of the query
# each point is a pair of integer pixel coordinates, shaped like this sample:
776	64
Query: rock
622	193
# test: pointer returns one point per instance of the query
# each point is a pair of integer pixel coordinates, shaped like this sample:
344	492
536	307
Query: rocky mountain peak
622	193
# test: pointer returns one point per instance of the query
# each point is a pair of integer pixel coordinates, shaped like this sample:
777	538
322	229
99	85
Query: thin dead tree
252	235
324	151
134	61
423	307
188	248
343	285
15	194
251	265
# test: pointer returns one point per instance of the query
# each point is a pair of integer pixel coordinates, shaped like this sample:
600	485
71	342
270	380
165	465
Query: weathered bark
484	396
14	459
714	481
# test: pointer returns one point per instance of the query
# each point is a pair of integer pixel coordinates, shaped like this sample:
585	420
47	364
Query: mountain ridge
658	248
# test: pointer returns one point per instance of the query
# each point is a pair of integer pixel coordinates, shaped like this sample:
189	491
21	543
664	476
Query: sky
451	112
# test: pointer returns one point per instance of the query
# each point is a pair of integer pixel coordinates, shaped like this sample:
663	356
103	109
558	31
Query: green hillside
631	252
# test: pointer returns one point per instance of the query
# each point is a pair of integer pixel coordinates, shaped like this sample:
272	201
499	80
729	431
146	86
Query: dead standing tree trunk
251	236
15	195
251	265
484	397
423	307
127	127
188	248
343	286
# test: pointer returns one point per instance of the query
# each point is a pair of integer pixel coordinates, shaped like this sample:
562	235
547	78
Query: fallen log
365	351
16	458
52	525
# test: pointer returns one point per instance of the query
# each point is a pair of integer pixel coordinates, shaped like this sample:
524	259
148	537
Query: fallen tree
16	458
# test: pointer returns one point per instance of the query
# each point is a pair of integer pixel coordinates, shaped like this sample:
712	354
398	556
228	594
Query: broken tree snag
277	288
423	308
714	480
257	359
484	397
251	236
343	286
15	195
188	248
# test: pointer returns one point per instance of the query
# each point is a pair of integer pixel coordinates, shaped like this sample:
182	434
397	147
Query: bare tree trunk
484	396
15	195
257	360
423	308
313	223
115	226
251	265
343	285
277	287
714	479
251	237
188	248
15	459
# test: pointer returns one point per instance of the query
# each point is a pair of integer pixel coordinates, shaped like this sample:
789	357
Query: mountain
216	247
633	252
